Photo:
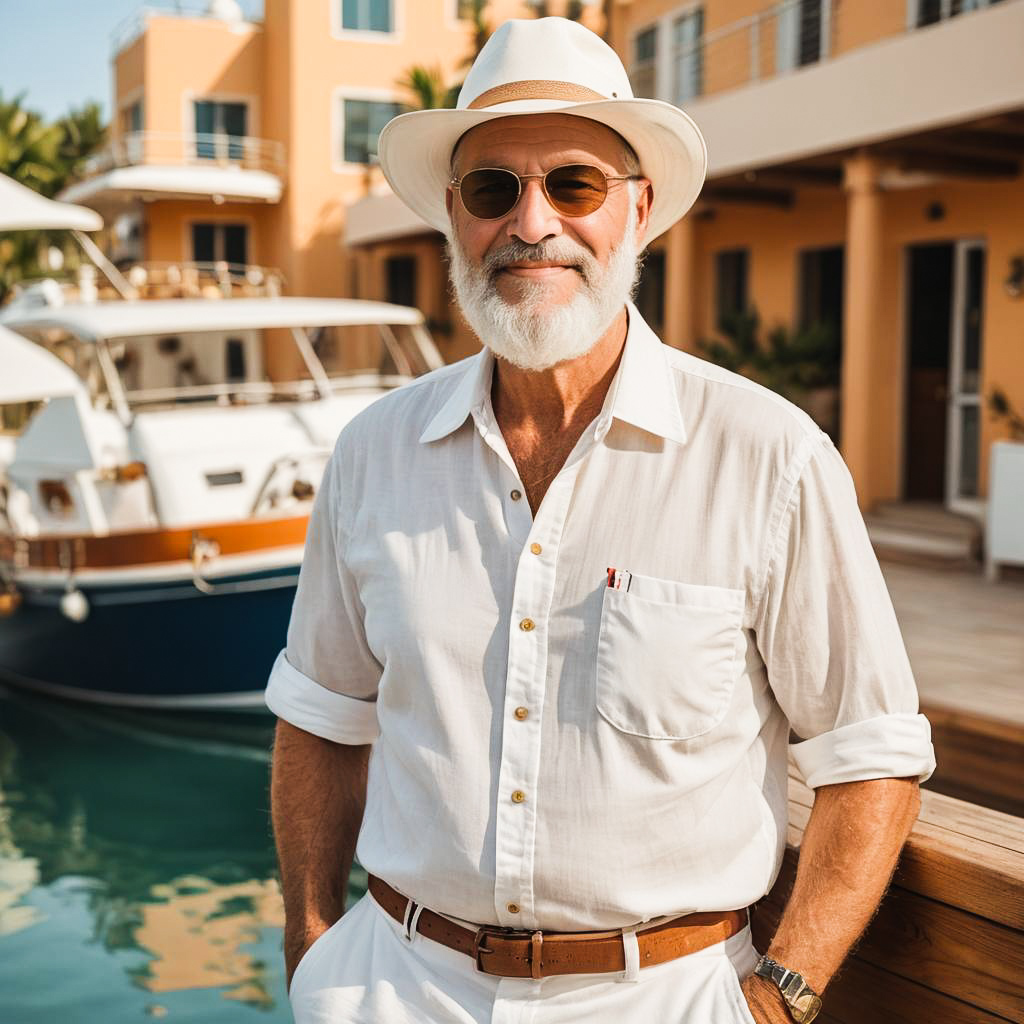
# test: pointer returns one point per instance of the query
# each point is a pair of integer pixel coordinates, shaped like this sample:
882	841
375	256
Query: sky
58	52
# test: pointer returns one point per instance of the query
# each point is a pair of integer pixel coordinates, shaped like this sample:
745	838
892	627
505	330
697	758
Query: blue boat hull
153	645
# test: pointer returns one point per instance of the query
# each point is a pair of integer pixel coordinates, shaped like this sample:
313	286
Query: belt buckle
535	938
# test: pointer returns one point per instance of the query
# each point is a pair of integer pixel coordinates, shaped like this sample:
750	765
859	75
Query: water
137	871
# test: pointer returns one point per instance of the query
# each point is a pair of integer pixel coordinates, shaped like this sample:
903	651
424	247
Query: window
131	118
687	57
367	16
931	11
644	74
364	120
798	39
401	280
731	271
220	129
217	243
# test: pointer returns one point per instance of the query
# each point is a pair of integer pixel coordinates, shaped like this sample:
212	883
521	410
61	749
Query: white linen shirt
550	752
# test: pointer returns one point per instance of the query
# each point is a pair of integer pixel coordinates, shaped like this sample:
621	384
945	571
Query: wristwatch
802	1001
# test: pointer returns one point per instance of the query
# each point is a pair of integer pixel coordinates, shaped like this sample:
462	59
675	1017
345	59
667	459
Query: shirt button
518	796
536	548
521	713
516	495
526	625
512	908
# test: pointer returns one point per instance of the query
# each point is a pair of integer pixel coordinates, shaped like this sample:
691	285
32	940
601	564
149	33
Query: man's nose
534	218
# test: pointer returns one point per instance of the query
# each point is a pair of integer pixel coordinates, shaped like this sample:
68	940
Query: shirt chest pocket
667	657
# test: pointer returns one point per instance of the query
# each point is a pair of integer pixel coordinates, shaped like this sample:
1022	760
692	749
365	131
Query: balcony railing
783	37
190	148
129	29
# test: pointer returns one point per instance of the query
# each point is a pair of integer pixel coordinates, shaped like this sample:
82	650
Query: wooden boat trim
153	547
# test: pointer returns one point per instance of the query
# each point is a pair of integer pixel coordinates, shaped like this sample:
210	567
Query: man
561	606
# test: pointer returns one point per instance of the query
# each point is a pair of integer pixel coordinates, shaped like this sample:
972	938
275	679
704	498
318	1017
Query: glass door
963	450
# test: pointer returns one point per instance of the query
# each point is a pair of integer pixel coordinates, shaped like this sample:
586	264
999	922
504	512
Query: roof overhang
956	71
21	209
123	185
379	218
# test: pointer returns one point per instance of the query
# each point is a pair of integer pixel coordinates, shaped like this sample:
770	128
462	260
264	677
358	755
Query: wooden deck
947	947
965	638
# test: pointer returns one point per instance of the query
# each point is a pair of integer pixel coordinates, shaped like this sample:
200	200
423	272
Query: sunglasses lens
576	189
489	192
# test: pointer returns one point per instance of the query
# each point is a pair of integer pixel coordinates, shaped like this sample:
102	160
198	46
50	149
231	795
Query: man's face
540	287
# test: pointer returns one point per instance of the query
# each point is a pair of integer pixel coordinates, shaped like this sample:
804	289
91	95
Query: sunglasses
574	190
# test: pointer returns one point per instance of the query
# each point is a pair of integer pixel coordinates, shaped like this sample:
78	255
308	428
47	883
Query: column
681	327
863	335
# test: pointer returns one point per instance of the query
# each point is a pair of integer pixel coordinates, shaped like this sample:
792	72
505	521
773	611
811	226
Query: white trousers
363	970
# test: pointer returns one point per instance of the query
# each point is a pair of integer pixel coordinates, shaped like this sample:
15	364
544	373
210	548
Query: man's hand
765	1001
317	795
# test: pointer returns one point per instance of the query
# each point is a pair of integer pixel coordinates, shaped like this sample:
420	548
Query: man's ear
449	199
644	201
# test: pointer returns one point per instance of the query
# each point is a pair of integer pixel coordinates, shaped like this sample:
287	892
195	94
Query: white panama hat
544	65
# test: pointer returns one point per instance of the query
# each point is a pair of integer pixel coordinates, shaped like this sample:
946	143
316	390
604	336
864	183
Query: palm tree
427	85
45	156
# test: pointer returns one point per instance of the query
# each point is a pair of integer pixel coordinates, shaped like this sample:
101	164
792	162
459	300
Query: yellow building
243	142
865	172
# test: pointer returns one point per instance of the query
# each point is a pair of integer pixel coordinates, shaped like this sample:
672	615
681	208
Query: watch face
804	1008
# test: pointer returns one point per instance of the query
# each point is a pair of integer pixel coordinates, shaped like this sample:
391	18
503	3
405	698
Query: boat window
377	349
15	416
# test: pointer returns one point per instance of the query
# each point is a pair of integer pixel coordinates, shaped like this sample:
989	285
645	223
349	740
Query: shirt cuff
889	747
309	706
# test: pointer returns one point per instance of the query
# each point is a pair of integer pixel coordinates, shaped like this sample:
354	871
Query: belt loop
631	954
536	952
409	919
414	921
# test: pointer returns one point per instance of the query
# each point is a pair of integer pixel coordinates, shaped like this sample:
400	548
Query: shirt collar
642	392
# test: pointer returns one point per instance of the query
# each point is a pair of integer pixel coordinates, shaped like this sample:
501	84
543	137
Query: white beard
531	333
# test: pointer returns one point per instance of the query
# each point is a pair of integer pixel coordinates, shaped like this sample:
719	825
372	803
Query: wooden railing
947	946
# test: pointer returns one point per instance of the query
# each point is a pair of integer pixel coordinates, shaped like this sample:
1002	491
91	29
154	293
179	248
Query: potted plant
1004	541
801	365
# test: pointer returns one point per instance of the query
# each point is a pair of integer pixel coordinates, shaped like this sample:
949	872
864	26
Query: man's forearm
848	854
317	797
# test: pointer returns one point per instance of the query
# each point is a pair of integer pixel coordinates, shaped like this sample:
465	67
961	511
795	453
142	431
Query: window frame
678	16
339	95
649	65
368	35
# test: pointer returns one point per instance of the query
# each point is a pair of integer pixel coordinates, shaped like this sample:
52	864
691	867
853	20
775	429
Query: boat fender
75	605
10	602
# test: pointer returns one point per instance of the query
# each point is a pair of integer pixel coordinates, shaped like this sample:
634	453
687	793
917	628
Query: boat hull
153	644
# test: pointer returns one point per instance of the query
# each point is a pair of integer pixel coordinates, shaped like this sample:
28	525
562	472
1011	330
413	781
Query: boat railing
189	148
156	280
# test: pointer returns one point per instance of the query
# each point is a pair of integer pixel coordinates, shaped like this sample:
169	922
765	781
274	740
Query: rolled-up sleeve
325	680
828	634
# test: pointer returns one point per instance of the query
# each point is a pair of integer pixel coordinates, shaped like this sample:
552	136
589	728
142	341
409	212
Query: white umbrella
21	209
29	373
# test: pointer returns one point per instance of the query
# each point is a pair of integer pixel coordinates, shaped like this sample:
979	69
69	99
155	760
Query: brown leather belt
509	953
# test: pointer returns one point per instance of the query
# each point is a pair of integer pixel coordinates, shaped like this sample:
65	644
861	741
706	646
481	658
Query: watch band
801	1000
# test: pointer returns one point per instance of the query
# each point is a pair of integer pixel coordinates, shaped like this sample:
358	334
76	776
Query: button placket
519	771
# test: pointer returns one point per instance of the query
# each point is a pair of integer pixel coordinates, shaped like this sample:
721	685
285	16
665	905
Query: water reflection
137	872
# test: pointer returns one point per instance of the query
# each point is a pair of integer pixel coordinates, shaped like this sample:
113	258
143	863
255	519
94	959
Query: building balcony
807	78
181	165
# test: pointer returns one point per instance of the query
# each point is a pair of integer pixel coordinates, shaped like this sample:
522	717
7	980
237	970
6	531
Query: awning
157	181
379	218
21	209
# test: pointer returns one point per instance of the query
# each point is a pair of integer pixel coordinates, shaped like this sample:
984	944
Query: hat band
534	89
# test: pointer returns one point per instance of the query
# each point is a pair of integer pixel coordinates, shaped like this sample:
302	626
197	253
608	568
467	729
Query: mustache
562	250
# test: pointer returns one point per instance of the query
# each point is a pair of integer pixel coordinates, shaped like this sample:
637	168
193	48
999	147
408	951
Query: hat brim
415	151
